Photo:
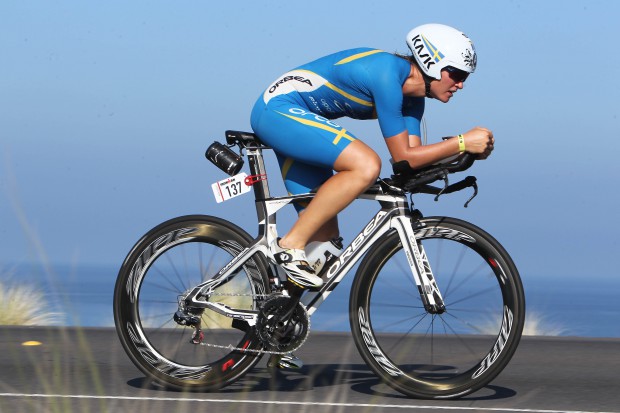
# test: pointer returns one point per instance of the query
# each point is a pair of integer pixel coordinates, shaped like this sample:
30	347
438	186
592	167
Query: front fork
418	262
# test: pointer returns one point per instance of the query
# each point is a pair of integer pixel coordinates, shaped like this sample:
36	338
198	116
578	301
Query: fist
479	141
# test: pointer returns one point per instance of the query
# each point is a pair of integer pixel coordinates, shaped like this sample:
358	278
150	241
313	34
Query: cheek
444	87
446	83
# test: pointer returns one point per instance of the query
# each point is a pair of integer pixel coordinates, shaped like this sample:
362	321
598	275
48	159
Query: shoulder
376	64
344	57
386	67
395	64
361	55
372	57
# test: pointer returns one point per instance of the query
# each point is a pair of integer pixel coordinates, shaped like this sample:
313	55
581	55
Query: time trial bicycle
436	306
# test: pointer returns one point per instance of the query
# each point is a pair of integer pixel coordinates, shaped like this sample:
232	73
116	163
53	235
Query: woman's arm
409	147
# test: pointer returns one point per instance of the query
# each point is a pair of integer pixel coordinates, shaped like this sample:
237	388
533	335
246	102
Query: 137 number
234	189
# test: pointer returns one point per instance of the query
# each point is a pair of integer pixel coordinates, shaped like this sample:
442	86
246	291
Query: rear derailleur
191	317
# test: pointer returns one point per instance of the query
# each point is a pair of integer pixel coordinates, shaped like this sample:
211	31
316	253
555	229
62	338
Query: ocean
83	295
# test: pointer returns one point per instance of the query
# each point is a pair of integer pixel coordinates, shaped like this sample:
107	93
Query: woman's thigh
307	144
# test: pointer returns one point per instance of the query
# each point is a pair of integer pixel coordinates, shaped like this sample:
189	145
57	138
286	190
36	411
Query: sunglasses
455	74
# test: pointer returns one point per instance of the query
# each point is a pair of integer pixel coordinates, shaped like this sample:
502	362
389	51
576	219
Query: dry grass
25	305
539	325
536	324
20	303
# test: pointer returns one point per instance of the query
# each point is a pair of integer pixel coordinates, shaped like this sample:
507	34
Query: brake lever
475	186
446	184
468	182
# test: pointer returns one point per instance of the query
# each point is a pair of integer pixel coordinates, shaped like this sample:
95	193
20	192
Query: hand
479	141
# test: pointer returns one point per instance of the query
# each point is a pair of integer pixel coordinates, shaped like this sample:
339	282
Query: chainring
278	334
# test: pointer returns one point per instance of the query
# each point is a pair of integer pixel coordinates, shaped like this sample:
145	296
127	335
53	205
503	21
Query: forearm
402	147
419	155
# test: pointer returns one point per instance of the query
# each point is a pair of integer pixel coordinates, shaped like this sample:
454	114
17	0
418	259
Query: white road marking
291	403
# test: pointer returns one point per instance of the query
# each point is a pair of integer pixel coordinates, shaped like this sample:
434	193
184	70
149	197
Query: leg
357	167
309	148
327	232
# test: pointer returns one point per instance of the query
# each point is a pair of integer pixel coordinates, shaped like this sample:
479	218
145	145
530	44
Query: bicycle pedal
197	337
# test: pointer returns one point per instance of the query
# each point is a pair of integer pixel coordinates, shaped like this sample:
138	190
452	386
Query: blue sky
106	110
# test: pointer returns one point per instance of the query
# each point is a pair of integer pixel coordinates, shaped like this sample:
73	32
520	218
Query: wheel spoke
176	272
475	295
458	336
435	351
181	256
164	275
390	305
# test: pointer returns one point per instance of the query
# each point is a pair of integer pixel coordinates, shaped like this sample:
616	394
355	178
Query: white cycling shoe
295	263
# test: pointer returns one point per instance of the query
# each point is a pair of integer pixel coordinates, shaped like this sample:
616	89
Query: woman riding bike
294	117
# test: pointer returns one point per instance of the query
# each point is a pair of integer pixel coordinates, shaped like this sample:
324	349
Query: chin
445	98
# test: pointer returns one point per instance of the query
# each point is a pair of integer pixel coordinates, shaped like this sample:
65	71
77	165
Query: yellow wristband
461	143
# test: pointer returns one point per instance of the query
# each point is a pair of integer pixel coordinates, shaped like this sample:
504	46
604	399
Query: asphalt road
86	370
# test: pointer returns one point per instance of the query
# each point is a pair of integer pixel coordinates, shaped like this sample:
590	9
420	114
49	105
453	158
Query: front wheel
444	355
162	267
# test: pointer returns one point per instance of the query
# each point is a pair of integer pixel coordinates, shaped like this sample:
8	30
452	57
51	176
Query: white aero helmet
437	46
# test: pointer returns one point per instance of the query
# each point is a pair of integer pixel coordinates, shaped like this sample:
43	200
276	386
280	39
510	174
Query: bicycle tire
445	355
163	265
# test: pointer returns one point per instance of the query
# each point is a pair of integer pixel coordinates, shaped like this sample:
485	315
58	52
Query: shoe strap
291	255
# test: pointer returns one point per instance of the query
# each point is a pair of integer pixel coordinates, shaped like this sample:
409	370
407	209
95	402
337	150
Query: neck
415	84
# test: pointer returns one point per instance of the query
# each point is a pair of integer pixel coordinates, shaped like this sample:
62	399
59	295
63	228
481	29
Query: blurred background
106	110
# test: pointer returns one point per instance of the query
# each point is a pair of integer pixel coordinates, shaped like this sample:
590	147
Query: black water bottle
225	159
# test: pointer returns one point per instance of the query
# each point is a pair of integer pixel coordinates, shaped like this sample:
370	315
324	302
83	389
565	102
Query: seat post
261	189
258	171
252	144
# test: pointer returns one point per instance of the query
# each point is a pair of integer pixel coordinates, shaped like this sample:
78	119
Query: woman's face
451	81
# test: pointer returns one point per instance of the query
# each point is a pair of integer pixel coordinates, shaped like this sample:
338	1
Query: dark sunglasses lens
456	74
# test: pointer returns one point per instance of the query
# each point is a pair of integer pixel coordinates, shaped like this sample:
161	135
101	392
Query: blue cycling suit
294	115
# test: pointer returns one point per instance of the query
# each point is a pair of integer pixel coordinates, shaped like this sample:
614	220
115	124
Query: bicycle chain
230	347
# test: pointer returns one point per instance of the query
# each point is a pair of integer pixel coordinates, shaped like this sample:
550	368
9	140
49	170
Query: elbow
414	162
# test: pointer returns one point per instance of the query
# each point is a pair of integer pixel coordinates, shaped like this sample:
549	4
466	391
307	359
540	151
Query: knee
361	160
375	167
370	168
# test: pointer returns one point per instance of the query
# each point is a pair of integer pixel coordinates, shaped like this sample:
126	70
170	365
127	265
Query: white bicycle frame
394	215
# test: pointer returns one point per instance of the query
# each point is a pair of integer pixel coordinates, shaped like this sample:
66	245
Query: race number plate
230	187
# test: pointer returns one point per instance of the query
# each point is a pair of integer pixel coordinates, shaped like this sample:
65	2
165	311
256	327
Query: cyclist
295	117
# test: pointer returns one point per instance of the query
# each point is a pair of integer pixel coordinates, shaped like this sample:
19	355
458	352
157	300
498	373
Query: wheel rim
438	352
167	268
